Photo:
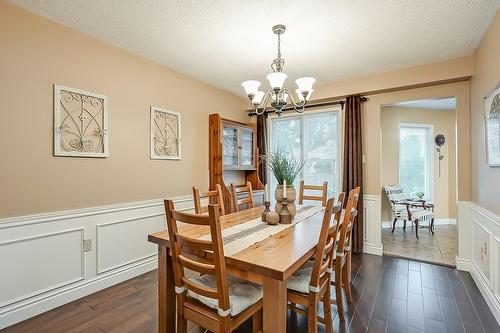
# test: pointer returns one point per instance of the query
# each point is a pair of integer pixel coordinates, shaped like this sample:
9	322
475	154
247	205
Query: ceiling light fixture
278	95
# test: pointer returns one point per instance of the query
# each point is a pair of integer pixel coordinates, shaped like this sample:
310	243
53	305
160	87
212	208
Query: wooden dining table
269	262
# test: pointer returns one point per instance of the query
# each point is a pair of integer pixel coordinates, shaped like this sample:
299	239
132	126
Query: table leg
166	292
275	306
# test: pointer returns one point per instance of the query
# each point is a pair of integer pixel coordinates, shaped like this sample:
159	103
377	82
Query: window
313	138
415	159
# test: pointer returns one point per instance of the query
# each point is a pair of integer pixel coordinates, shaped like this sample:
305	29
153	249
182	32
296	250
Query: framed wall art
165	134
80	123
492	126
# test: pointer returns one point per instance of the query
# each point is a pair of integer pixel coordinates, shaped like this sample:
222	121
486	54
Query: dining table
268	260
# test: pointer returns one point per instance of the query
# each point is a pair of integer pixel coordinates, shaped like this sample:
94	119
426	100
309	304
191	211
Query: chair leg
416	228
181	321
432	226
257	322
327	310
346	284
338	292
224	325
404	225
312	313
394	224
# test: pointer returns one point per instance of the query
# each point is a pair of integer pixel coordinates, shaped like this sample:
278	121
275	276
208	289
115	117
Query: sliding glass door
314	138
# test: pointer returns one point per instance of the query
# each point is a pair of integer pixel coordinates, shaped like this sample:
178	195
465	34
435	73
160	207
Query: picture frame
492	126
166	139
80	123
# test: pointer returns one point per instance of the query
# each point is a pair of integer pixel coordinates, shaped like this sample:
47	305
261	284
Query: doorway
419	161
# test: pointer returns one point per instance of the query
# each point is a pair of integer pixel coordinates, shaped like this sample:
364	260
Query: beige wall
485	180
37	53
444	185
372	108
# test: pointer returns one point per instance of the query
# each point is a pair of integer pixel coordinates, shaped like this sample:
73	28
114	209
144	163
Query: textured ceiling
224	42
433	104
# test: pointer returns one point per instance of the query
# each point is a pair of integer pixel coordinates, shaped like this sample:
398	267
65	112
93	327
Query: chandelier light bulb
251	86
301	96
276	80
257	98
305	83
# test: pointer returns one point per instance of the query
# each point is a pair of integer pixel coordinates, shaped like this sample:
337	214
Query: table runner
244	235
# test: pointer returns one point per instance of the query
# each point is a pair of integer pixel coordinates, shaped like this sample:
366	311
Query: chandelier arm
296	105
263	103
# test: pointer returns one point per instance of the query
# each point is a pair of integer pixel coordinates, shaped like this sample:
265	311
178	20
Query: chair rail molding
119	250
479	251
372	224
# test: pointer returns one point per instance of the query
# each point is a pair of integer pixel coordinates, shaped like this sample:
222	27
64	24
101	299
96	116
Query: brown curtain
353	164
262	145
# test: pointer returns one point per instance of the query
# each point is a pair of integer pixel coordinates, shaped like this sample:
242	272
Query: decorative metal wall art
80	123
492	126
165	134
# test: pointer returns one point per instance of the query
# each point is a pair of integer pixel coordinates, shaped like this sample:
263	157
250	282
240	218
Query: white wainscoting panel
372	224
479	251
44	265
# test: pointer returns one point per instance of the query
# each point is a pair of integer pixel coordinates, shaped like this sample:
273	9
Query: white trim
376	249
87	221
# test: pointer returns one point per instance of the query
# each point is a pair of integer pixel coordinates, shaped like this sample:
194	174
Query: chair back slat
211	195
202	256
348	221
323	188
323	257
197	266
237	191
200	289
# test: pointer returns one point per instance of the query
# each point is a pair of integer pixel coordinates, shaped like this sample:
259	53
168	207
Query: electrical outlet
87	245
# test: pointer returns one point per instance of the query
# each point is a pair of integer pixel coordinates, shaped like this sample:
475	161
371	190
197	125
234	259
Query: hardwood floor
389	295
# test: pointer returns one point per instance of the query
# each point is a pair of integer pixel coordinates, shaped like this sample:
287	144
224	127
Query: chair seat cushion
242	294
299	281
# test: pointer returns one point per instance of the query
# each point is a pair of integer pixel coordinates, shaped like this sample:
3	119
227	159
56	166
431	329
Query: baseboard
489	296
462	264
373	249
57	298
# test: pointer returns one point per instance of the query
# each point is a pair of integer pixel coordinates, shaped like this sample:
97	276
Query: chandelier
277	96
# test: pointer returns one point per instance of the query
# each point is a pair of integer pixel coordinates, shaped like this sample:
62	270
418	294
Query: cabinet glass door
230	147
246	144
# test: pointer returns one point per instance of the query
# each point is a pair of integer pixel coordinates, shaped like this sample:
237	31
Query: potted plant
285	169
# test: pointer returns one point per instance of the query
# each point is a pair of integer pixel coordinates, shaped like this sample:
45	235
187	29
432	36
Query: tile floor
440	248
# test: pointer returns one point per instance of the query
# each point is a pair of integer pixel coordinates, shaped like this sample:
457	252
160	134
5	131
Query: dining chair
214	300
237	191
311	284
323	188
343	253
217	193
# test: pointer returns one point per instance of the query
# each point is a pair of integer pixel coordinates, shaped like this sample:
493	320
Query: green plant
283	167
420	195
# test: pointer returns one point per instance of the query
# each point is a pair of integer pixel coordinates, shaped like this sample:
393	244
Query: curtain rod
312	104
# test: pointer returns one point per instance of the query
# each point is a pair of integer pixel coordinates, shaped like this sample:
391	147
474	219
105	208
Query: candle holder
285	216
264	213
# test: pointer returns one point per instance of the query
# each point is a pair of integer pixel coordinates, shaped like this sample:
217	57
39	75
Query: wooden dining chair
342	260
323	188
237	191
311	284
208	300
217	193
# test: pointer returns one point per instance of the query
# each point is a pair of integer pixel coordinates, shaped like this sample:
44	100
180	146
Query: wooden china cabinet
233	156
